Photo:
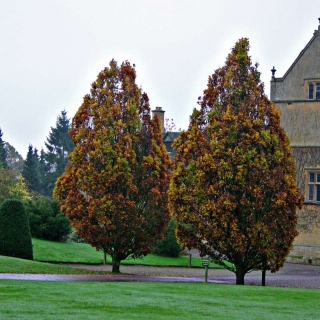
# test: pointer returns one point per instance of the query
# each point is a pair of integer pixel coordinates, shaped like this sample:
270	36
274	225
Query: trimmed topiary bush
168	246
15	236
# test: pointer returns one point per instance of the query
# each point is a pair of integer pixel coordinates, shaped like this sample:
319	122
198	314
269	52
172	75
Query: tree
15	237
13	157
59	146
169	246
3	153
114	189
31	170
233	191
46	221
13	186
169	125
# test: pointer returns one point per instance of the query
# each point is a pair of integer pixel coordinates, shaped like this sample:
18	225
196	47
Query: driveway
291	275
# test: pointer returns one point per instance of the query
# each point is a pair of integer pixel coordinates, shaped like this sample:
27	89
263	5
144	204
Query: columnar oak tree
114	189
233	191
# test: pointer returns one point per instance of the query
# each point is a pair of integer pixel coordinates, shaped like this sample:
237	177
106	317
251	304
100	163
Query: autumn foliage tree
114	188
233	190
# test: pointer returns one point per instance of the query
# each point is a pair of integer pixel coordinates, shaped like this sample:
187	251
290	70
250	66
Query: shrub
46	220
168	246
15	237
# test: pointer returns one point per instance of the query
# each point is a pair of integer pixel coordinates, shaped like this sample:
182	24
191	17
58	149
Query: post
263	278
205	264
206	274
190	260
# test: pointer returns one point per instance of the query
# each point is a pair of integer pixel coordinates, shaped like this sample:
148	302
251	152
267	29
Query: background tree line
32	180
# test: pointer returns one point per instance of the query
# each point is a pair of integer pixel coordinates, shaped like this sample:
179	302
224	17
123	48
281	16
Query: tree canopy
233	190
3	153
114	188
14	159
13	186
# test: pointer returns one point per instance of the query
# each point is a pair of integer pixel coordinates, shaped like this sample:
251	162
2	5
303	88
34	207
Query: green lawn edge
71	252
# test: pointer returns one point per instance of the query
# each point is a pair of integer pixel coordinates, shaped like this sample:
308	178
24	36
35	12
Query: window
318	91
313	186
311	91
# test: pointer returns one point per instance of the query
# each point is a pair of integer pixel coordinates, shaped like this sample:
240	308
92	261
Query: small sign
205	263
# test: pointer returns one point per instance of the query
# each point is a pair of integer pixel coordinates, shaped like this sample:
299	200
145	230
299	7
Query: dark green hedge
15	237
46	220
169	246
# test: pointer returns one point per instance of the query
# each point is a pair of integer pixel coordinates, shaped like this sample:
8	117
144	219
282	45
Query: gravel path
291	275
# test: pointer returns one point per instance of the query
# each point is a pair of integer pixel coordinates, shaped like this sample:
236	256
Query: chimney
160	113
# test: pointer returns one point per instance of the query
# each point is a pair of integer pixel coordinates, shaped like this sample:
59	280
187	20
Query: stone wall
301	120
307	245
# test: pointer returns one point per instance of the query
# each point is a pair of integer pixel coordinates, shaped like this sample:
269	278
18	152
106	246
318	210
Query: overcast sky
52	50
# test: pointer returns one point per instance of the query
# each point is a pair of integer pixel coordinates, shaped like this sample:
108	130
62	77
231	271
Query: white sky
52	50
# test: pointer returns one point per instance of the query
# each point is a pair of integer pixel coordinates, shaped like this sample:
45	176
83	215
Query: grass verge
14	265
72	300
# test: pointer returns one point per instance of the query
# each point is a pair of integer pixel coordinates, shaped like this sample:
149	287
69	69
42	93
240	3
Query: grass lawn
73	300
14	265
70	252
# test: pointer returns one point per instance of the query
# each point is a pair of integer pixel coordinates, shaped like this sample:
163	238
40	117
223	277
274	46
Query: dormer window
318	91
311	86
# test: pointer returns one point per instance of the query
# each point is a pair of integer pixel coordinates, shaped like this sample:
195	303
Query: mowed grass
71	252
20	299
73	300
14	265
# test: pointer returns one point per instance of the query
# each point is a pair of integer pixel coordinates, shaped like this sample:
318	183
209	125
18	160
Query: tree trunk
240	276
263	282
115	263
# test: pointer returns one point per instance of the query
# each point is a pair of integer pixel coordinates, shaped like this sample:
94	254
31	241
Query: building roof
315	35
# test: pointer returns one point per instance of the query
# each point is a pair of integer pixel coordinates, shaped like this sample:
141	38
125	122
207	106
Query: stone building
297	96
168	136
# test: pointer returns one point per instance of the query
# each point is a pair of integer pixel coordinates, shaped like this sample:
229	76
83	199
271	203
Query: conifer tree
15	237
31	170
114	189
233	191
59	146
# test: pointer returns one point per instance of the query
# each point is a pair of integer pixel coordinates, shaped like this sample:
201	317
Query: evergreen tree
169	246
44	171
15	237
31	170
58	145
3	153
